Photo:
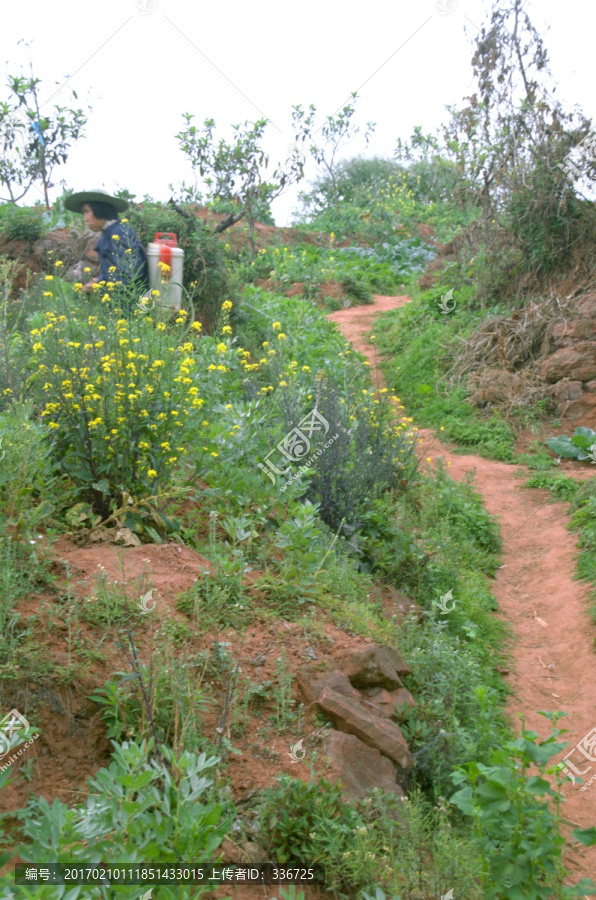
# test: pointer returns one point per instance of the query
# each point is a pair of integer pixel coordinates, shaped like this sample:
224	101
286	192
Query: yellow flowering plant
121	396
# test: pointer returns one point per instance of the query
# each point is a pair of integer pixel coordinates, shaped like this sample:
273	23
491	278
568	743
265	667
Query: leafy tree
235	173
509	142
431	175
336	132
355	181
33	143
501	132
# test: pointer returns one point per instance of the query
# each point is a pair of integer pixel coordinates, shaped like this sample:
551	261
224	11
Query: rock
76	273
90	253
374	666
590	386
312	681
578	409
360	768
567	390
378	701
567	333
586	306
61	244
350	716
387	703
577	363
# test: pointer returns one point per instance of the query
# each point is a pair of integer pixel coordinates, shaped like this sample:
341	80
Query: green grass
418	341
560	486
583	520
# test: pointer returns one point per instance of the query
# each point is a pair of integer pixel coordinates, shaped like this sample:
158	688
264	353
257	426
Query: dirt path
553	662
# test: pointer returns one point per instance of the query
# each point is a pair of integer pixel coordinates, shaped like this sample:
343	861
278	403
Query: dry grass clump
497	362
510	343
506	391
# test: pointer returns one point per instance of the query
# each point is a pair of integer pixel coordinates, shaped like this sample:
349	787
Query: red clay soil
553	664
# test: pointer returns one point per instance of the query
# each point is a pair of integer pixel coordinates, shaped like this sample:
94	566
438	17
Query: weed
109	604
561	486
252	696
287	713
519	833
400	845
137	810
290	894
419	347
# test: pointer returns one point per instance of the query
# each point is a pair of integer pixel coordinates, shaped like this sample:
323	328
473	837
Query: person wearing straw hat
122	257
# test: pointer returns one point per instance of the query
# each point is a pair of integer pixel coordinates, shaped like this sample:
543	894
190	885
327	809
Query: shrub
12	313
368	454
138	810
402	845
21	223
356	289
293	814
119	395
519	833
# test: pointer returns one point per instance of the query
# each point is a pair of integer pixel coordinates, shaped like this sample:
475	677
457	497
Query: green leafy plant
293	811
290	894
519	832
21	223
287	712
137	810
560	486
576	447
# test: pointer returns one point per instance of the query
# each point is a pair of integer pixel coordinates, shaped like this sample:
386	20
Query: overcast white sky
142	63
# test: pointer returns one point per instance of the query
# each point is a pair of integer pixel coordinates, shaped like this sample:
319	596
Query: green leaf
586	836
586	433
537	785
153	534
562	446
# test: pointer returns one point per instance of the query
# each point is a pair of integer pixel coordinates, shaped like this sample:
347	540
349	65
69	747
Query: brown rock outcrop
374	666
577	363
360	768
350	716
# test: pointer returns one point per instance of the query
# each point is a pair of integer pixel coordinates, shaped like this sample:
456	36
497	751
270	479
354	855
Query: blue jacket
130	267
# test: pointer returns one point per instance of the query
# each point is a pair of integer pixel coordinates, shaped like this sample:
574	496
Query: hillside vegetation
220	545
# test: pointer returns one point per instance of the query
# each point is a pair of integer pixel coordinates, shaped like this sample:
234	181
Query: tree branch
228	221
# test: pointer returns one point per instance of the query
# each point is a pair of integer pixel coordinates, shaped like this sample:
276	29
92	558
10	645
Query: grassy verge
418	341
582	498
361	515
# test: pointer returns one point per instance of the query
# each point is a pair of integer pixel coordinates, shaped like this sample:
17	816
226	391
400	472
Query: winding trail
552	661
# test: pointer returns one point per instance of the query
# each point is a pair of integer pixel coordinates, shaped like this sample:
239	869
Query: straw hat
75	201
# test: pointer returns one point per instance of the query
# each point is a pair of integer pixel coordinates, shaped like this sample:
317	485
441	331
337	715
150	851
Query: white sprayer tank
169	286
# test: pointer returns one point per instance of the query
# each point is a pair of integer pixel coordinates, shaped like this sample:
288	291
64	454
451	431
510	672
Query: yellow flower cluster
120	392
